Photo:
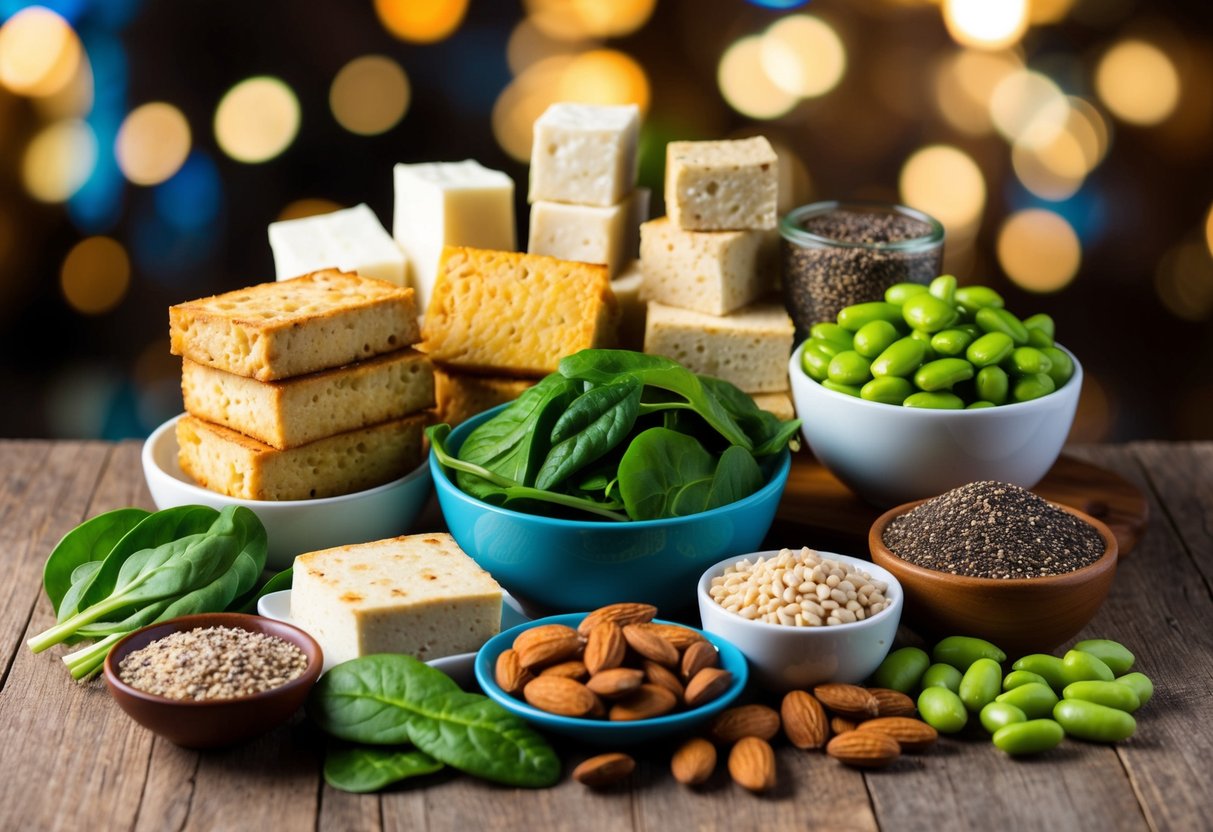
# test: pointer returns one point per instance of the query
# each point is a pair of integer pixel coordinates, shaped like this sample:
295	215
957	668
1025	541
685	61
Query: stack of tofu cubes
710	266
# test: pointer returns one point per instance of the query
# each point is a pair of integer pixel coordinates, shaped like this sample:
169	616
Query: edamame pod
902	669
1140	684
990	349
874	338
898	293
886	390
832	333
1032	387
830	348
1022	677
991	319
1063	365
942	373
975	297
951	342
1029	361
935	401
1043	665
980	405
1112	653
845	389
997	714
901	359
1042	323
942	675
962	651
980	684
1110	694
849	367
1031	737
1034	699
1089	721
1077	666
944	288
942	710
855	316
815	362
929	313
1039	338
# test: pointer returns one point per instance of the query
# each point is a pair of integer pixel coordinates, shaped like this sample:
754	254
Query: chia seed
212	663
993	530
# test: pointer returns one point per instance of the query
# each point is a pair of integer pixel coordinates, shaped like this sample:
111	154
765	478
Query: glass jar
839	253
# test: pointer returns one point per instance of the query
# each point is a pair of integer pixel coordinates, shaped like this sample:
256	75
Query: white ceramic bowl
795	658
890	455
293	526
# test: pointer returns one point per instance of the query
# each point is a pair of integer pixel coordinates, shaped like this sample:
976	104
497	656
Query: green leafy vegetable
247	603
79	554
391	699
596	422
664	473
363	769
769	433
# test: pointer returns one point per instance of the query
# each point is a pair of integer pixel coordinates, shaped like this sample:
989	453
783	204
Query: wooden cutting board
820	512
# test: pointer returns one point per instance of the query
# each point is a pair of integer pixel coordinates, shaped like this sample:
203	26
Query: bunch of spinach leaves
623	436
128	568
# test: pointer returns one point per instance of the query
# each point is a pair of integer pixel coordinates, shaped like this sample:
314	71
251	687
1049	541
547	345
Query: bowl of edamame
932	388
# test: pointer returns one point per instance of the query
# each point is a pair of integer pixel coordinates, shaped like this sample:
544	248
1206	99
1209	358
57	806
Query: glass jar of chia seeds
839	253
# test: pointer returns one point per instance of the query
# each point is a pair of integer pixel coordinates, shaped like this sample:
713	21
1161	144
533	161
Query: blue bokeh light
191	199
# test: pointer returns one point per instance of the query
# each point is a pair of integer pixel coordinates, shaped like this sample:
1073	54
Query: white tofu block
750	347
714	272
722	186
352	240
589	233
584	154
632	308
450	204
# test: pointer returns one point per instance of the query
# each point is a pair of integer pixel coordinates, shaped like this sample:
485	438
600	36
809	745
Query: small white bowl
796	658
293	526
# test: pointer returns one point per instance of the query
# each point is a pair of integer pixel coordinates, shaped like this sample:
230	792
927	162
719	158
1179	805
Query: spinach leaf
595	423
665	473
83	546
737	475
361	769
247	603
769	434
390	699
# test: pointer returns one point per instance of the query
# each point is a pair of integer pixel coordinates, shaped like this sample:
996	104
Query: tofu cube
419	594
632	308
722	186
352	240
461	396
750	347
584	154
589	233
450	204
714	272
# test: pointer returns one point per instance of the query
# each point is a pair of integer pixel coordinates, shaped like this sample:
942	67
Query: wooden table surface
72	760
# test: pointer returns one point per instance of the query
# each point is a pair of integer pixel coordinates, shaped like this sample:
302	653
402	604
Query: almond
694	762
546	644
604	769
840	725
599	711
558	695
572	669
911	734
752	764
706	686
850	701
665	678
615	682
650	645
621	614
892	702
804	720
645	702
864	749
605	647
730	725
679	636
509	673
697	656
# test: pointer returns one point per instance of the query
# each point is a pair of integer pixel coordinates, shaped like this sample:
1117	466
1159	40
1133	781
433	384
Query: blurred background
145	146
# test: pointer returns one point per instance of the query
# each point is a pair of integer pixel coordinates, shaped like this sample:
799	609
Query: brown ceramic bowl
213	723
1020	615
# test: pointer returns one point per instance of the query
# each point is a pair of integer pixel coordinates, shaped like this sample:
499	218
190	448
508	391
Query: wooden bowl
213	723
1020	615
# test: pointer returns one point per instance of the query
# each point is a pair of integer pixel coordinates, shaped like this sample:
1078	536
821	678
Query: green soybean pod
814	362
944	288
980	684
1000	320
901	359
838	387
962	651
990	349
874	338
856	315
1140	684
832	333
830	348
942	373
902	669
898	293
1041	323
925	337
1043	665
951	342
980	404
1089	721
1032	387
1039	338
976	297
1022	677
1110	694
997	714
1034	699
1112	653
1027	361
942	710
940	675
1077	666
934	401
850	367
973	329
1031	737
928	313
886	390
1063	365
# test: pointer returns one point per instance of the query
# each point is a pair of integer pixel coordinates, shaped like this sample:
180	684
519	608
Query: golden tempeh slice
506	313
277	330
237	465
295	411
461	396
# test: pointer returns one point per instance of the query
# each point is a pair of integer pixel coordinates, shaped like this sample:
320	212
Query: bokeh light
308	207
39	52
59	160
986	24
153	142
95	275
1184	281
1044	12
528	44
1209	229
964	84
421	21
803	56
257	119
74	99
745	85
1093	417
1028	107
604	76
575	20
946	183
1039	250
370	95
1137	82
1090	129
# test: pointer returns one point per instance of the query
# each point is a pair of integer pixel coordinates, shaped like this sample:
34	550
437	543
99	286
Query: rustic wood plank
1182	475
340	810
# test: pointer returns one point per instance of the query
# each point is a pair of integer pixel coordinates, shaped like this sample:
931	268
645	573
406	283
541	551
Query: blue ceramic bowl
567	565
602	731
